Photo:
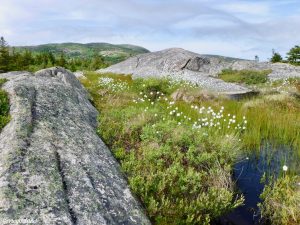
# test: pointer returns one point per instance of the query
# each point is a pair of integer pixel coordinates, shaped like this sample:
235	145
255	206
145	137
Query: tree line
12	60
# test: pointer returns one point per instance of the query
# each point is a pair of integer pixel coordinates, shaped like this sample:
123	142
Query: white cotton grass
112	85
285	168
199	117
207	117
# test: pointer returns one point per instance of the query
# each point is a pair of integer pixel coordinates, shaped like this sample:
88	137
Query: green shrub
281	200
2	81
249	77
4	106
182	177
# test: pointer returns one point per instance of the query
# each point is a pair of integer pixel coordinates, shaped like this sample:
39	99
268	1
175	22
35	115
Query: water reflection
248	173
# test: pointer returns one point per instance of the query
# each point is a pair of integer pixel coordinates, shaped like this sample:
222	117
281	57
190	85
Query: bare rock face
283	71
54	169
166	62
203	70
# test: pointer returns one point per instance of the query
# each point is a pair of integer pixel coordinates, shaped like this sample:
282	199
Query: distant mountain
111	53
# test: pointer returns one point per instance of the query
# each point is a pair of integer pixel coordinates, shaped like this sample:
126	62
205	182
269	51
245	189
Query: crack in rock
65	188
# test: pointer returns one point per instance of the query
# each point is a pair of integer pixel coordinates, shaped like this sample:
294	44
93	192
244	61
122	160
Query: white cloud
251	8
227	27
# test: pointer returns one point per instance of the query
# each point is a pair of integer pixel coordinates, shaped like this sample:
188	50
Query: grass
4	106
177	144
249	77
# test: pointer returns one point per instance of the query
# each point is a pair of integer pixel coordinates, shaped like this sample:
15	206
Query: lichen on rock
54	169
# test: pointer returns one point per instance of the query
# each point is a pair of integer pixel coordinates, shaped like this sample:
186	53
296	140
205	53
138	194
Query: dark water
248	173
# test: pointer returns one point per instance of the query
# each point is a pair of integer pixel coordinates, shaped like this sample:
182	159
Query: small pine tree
62	61
27	59
294	55
276	57
45	60
97	62
72	66
4	56
51	58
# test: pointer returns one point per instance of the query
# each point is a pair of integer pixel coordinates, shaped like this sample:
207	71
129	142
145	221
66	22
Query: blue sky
238	28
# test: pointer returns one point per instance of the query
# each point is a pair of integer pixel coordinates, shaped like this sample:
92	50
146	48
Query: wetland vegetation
179	145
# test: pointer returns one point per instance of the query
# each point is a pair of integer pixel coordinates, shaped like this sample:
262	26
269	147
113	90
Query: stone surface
200	69
54	169
79	74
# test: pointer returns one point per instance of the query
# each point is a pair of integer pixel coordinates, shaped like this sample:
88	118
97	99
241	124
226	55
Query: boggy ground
177	144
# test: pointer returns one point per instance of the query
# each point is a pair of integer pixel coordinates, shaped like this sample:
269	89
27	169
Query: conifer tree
4	56
294	55
62	61
276	57
97	62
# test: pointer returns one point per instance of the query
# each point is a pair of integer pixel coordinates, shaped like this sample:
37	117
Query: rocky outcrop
200	69
174	61
54	169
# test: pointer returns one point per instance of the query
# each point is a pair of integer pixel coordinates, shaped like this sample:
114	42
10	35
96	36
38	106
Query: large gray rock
54	169
203	70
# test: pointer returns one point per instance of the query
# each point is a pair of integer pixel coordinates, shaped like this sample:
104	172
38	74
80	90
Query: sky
236	28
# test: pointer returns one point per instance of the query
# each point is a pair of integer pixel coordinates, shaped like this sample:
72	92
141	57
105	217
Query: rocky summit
54	169
200	69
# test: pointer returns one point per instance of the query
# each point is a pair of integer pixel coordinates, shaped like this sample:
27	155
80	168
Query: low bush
281	199
181	175
249	77
4	106
2	81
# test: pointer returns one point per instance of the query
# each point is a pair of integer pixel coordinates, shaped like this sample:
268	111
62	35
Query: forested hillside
72	56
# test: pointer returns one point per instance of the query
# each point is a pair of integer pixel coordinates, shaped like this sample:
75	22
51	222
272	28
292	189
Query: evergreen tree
45	60
276	57
4	56
97	62
72	66
294	55
62	61
38	59
51	58
27	59
15	59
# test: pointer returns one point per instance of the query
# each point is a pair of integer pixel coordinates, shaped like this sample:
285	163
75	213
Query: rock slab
180	64
54	169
